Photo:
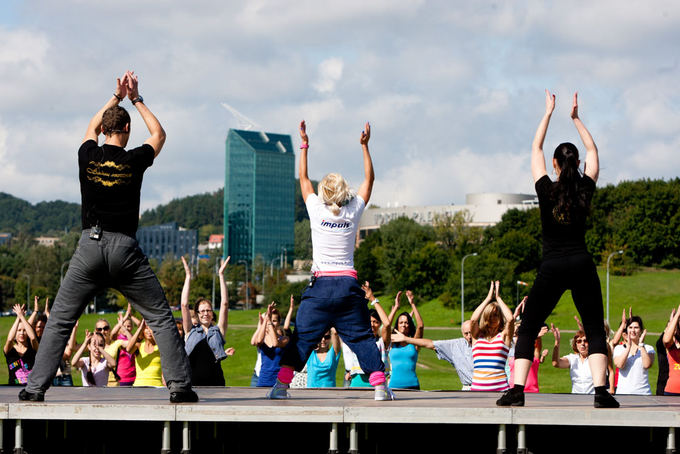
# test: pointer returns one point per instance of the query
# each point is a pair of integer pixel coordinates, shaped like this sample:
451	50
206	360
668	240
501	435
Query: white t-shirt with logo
333	237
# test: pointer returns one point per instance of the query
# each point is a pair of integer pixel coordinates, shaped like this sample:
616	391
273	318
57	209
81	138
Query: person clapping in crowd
634	359
493	326
20	348
270	341
671	341
404	356
381	328
125	372
147	357
458	352
96	366
322	364
576	362
205	342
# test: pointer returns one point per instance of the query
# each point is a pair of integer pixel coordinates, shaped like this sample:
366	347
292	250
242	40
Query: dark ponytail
571	203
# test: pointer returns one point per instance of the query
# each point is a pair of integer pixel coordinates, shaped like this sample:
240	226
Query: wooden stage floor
344	407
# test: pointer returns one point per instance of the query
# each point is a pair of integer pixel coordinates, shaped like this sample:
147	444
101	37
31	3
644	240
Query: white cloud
330	72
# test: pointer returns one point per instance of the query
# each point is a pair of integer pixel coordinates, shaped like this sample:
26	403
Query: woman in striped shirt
493	326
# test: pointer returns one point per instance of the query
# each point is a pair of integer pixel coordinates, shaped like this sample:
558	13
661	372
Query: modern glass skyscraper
259	195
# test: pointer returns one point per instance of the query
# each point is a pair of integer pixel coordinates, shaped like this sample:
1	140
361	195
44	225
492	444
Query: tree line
640	217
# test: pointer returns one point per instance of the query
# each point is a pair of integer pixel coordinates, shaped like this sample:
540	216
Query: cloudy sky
453	90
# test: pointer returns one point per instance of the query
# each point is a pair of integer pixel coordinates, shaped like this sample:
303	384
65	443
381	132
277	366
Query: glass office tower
259	195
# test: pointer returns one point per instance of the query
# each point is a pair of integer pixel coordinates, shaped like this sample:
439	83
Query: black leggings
555	276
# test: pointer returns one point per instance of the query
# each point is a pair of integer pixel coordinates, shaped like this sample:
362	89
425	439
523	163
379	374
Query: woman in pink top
492	327
333	297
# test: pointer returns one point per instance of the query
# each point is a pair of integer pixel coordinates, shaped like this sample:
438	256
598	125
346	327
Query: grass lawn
652	293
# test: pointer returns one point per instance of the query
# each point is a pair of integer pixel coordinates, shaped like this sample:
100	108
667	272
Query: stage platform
345	417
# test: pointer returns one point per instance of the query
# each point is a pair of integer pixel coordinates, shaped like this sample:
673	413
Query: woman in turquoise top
322	364
403	356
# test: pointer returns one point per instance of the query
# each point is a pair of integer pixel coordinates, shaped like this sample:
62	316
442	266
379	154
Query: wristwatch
138	99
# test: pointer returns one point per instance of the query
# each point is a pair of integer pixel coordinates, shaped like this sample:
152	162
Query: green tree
303	240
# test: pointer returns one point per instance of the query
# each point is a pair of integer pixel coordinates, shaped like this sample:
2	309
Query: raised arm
271	336
76	358
509	329
223	320
30	332
306	186
592	164
620	360
71	345
258	336
184	299
669	332
289	315
537	157
110	360
474	318
369	176
132	345
94	128
646	357
386	328
562	363
420	325
335	342
10	337
34	314
157	138
395	307
619	332
422	342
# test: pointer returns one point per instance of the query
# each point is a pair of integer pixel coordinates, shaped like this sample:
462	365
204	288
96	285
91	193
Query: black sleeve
86	148
543	186
143	156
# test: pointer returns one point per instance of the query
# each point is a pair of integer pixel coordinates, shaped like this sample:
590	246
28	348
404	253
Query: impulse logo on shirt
335	225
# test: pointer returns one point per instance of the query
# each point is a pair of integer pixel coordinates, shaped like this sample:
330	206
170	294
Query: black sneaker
32	397
511	398
605	401
178	397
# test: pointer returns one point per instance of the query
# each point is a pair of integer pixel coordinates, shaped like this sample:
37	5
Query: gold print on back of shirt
103	173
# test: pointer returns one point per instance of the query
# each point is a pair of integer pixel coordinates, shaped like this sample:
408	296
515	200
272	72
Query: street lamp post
28	291
247	288
608	259
213	280
462	287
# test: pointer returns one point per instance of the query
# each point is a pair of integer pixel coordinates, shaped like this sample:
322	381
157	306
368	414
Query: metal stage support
333	443
670	444
502	442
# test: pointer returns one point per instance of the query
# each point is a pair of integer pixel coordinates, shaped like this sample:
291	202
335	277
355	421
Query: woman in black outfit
566	264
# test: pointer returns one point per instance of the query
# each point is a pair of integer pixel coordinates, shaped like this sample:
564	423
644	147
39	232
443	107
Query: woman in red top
671	340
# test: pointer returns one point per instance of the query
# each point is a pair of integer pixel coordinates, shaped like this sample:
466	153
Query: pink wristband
304	145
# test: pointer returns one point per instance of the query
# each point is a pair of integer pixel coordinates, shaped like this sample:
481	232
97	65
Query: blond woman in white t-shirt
333	297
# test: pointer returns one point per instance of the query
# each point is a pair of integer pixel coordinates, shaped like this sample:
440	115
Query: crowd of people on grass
127	355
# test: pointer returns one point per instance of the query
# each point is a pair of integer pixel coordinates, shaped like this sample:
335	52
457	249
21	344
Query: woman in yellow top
147	358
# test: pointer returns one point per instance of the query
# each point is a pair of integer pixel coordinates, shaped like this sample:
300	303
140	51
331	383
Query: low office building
484	209
167	240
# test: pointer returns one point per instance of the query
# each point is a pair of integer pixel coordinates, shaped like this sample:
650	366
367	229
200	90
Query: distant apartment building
48	241
215	241
485	209
259	195
163	240
5	238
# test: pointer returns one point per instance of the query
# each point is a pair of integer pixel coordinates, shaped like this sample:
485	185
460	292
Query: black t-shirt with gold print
110	185
561	236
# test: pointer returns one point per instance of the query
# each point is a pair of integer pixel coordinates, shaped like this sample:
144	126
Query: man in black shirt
108	254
